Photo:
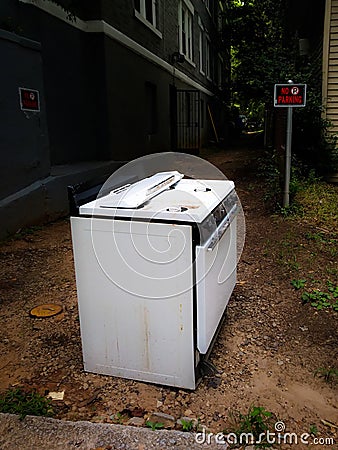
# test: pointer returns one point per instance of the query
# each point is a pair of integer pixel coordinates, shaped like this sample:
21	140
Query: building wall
121	15
330	66
23	134
96	70
126	103
73	83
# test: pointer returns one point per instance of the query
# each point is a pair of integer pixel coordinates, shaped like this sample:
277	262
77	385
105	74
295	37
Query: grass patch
320	300
317	298
319	205
154	425
252	427
330	374
18	401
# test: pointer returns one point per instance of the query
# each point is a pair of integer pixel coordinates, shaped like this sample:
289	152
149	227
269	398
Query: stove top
164	196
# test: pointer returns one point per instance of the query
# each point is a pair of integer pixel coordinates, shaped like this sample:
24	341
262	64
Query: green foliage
298	284
187	425
18	401
264	51
313	430
270	171
154	425
313	141
259	57
118	418
256	422
317	237
309	195
329	374
25	232
318	299
320	201
332	289
322	300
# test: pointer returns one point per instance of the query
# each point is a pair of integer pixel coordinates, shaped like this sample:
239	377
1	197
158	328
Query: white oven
155	266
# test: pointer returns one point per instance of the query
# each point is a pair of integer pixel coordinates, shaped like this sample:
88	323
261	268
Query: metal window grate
188	120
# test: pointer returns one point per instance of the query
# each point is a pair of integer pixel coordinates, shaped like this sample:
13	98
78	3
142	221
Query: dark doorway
185	120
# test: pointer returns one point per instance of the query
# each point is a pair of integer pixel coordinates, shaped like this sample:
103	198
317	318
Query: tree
261	51
264	39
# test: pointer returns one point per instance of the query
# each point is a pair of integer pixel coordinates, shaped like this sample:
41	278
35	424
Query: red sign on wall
29	99
290	95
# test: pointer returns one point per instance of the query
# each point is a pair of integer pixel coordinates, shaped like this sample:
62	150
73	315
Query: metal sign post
286	197
289	96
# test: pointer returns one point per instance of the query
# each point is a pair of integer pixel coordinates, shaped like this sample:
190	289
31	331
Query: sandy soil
267	352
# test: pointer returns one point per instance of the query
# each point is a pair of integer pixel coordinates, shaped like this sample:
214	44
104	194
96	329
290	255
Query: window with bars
185	26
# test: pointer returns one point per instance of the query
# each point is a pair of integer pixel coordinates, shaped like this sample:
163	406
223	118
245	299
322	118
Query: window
146	11
185	26
219	16
201	46
220	72
208	58
212	6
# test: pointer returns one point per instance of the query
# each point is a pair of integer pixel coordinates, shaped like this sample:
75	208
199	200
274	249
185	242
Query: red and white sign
29	99
290	95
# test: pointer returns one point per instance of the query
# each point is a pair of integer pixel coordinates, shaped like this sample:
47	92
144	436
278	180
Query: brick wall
121	15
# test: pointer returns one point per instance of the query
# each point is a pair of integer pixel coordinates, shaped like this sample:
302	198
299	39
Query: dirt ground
267	352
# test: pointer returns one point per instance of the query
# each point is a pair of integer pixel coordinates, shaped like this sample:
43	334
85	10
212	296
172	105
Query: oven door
216	262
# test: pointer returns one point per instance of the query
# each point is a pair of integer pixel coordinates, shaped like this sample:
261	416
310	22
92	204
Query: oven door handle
222	228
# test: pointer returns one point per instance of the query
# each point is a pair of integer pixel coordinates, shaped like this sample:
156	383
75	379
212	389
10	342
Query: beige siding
330	63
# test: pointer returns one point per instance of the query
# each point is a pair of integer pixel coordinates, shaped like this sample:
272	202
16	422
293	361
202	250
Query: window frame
201	47
208	57
185	29
142	16
220	66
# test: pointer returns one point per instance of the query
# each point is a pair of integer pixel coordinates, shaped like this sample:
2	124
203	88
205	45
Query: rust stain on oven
146	338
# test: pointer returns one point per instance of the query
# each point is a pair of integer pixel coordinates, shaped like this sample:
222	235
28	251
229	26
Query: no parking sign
290	95
29	99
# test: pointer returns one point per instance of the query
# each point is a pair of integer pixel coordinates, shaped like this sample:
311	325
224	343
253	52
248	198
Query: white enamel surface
135	282
216	278
148	336
136	194
189	201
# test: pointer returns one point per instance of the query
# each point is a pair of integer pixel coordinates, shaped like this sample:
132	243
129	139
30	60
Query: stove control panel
225	210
